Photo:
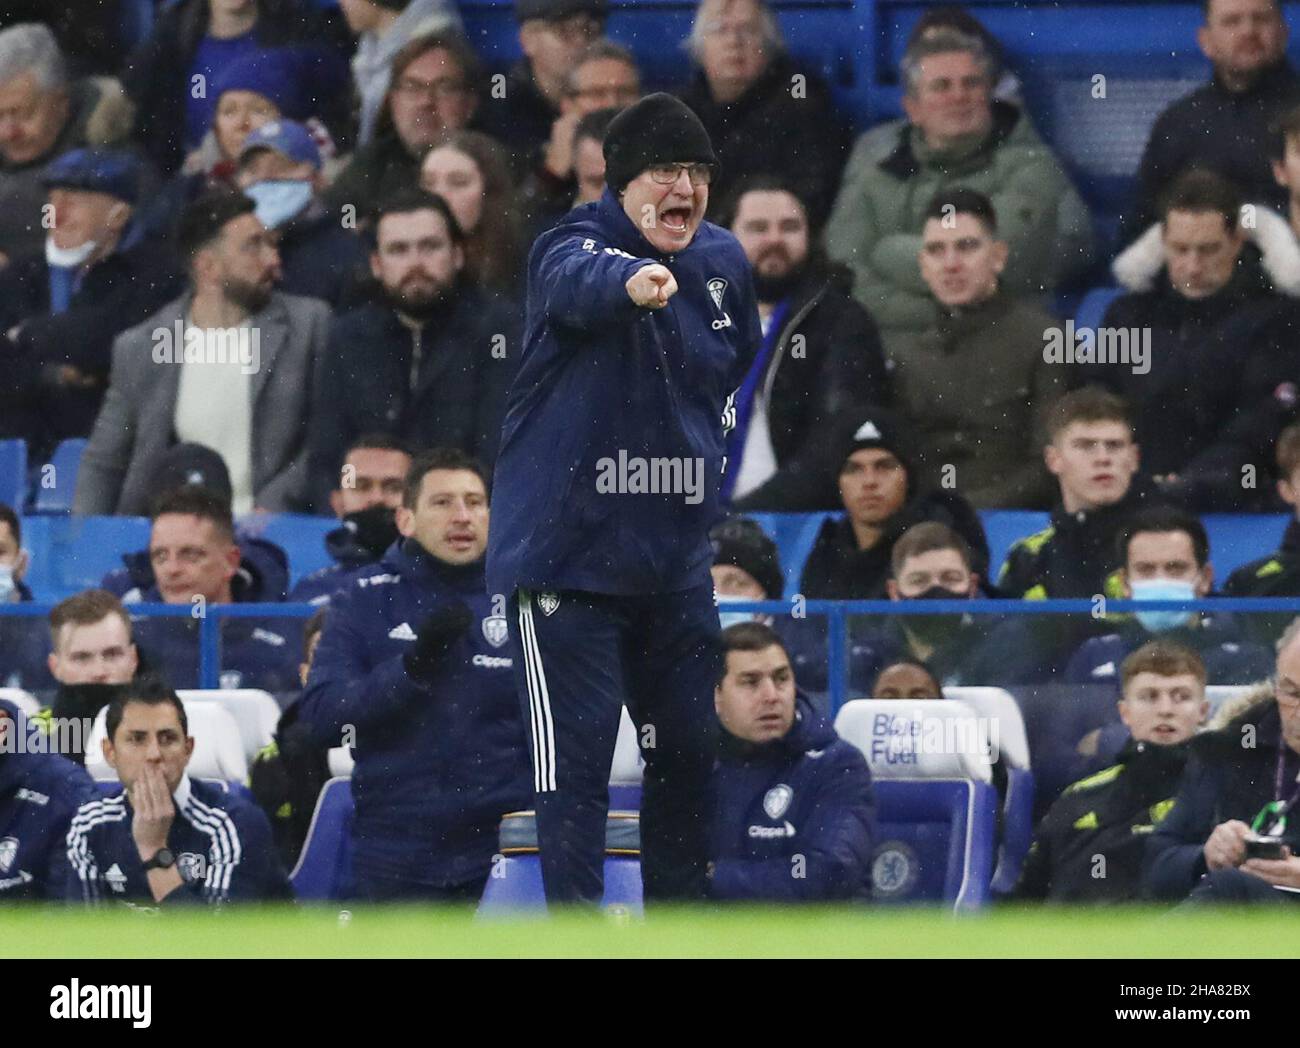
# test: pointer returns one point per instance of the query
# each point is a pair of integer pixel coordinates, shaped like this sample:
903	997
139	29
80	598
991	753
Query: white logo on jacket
716	286
495	630
8	852
402	632
776	802
548	602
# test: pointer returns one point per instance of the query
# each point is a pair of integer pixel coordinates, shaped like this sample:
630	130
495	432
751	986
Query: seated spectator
287	775
1091	452
263	566
242	360
22	648
470	171
197	563
955	137
742	92
1089	847
98	275
906	679
202	38
1166	556
280	169
1227	125
786	787
553	34
410	669
369	492
820	358
436	85
92	659
882	498
60	114
40	792
430	363
975	383
167	838
1189	338
1278	573
383	28
1232	793
603	77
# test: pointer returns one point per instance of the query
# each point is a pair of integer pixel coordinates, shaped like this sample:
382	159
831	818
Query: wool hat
110	171
659	129
741	543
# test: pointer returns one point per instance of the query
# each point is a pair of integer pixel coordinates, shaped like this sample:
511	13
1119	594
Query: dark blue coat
603	382
221	840
437	765
348	556
39	793
807	795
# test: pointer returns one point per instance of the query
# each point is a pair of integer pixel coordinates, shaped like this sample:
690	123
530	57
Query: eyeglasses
667	174
433	89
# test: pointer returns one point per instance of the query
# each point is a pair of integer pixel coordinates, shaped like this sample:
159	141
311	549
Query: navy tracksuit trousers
579	657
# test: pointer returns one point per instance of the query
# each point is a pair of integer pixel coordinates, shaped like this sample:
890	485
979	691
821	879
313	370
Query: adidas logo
1106	669
402	632
116	878
867	431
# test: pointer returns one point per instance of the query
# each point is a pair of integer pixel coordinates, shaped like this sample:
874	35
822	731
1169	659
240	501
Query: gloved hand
434	639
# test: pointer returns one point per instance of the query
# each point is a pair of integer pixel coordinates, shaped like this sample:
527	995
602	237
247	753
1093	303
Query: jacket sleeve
1036	874
1175	852
1041	216
1016	576
582	282
108	454
836	853
243	867
344	688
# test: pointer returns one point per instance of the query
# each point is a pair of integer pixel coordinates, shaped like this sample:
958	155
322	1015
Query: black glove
434	639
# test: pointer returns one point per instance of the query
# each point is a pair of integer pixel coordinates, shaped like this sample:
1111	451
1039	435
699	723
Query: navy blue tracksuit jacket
601	377
437	765
221	840
39	794
807	795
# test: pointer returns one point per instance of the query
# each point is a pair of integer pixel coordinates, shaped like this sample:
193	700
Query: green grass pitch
743	932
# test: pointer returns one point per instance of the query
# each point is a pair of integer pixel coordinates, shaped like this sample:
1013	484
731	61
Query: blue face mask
732	618
1163	589
279	200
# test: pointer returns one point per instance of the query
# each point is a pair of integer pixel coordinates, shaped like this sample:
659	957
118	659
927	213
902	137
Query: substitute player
641	325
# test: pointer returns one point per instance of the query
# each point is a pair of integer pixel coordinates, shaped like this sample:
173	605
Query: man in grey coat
229	365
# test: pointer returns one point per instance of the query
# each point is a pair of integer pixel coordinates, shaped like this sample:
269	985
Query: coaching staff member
640	326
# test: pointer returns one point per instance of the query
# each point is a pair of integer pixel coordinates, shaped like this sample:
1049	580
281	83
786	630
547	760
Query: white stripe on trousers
539	700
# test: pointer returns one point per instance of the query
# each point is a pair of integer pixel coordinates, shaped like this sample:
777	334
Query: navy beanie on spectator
741	543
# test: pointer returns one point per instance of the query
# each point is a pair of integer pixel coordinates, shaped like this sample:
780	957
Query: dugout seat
1011	744
324	869
218	746
63	466
626	769
256	713
936	809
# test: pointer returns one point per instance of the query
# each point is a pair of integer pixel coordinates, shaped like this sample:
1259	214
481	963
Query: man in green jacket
956	135
973	382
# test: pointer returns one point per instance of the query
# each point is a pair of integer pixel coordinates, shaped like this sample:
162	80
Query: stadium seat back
218	746
66	461
302	537
341	762
13	474
627	767
256	713
324	869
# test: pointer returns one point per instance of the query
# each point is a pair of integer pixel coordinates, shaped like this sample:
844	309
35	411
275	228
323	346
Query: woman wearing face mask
470	171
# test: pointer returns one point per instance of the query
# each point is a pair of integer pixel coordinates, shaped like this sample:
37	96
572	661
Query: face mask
68	257
279	200
83	702
374	528
1163	589
8	585
733	618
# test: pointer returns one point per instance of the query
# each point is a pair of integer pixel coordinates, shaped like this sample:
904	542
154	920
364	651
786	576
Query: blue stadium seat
62	482
936	809
13	474
300	535
1092	310
71	553
324	869
110	787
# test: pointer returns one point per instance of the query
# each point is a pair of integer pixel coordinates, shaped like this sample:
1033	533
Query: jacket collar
810	731
911	154
413	561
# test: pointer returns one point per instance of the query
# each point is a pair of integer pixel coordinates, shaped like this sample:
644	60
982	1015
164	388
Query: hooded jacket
437	763
262	577
1090	844
1232	773
348	555
609	400
39	794
807	795
1276	575
875	227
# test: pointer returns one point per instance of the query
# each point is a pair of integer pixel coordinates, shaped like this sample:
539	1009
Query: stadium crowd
274	260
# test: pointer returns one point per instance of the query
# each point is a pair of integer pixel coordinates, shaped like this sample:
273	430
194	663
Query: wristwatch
163	859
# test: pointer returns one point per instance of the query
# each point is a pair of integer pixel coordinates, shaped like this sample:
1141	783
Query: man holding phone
1233	834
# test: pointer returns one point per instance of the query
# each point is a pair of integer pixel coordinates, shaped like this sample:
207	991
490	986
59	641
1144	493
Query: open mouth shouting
676	219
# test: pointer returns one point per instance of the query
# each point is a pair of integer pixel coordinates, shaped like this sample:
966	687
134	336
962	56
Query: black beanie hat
659	129
741	543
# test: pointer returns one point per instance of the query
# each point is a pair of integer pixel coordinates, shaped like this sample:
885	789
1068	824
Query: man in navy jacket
167	839
641	324
412	671
39	793
794	816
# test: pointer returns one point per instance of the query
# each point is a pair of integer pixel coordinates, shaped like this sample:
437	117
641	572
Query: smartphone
1265	848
